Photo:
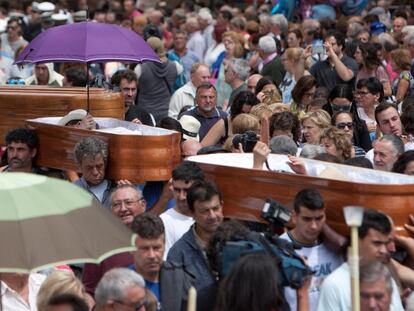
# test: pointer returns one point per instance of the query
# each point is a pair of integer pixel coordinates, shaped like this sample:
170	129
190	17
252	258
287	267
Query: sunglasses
342	125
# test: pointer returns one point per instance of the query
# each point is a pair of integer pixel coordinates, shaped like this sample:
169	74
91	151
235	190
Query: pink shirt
380	73
392	74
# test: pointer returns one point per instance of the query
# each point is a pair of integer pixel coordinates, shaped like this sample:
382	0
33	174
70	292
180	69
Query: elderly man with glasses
121	287
127	202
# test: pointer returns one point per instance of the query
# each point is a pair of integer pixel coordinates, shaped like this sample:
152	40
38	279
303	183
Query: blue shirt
206	122
154	287
151	191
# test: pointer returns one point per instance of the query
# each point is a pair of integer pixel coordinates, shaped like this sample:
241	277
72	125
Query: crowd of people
323	80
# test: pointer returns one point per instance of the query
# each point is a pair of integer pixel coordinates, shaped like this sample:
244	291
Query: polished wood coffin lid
21	102
137	158
245	191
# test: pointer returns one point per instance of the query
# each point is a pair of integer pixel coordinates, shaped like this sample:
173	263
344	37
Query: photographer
338	68
261	280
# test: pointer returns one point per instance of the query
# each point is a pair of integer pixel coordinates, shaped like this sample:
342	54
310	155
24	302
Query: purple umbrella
87	42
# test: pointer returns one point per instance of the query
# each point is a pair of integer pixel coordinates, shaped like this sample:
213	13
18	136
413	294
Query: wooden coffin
19	103
148	155
245	190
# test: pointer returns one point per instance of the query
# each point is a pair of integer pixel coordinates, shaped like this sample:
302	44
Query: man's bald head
252	82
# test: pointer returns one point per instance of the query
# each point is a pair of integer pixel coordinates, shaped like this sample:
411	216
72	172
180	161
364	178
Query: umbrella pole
87	87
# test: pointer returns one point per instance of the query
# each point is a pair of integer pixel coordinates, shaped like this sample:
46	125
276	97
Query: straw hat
77	114
191	127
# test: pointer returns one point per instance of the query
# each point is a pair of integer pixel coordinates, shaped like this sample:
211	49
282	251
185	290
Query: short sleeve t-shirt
326	75
405	75
322	261
380	73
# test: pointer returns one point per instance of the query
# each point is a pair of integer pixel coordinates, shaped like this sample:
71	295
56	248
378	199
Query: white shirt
197	44
5	67
336	292
323	261
207	34
12	301
212	53
184	96
176	224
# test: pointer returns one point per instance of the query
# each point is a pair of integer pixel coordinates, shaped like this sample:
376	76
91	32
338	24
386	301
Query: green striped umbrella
46	221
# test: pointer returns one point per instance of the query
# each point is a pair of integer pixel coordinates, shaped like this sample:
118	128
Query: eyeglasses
310	94
361	93
11	27
342	125
137	306
127	202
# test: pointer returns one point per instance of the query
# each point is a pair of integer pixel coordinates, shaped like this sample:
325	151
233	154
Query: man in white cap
46	7
45	75
34	26
59	19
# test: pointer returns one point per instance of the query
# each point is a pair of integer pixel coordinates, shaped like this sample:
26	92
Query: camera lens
237	139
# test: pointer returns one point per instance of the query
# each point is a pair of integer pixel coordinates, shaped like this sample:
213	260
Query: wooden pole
354	269
192	299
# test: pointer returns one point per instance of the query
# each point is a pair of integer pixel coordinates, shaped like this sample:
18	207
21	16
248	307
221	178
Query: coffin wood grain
245	190
19	103
137	158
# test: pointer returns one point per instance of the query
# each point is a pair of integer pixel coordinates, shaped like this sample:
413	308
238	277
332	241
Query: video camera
248	140
294	271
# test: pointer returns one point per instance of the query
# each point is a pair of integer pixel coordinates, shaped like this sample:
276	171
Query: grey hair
126	186
241	68
267	44
374	272
387	41
115	283
264	18
409	39
355	29
91	147
281	21
283	144
205	14
396	141
312	24
238	22
195	67
310	151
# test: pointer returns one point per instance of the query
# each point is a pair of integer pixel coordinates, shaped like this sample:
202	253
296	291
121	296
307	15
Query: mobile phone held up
317	47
